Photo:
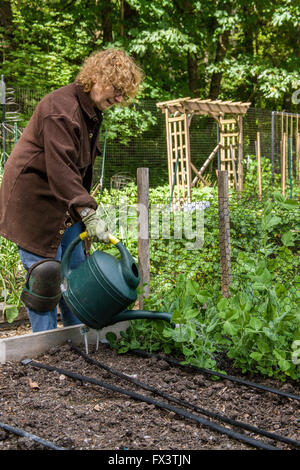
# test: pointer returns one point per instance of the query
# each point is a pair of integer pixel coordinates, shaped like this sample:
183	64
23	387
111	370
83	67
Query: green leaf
192	287
212	326
204	296
278	196
264	278
287	239
269	222
222	304
256	356
270	334
255	323
263	345
245	302
11	313
177	316
111	337
190	313
229	328
284	364
290	204
180	335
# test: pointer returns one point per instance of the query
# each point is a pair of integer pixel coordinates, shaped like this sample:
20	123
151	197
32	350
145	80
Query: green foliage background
246	51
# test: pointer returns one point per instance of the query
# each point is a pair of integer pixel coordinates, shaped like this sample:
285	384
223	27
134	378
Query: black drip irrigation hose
214	426
33	437
220	417
217	374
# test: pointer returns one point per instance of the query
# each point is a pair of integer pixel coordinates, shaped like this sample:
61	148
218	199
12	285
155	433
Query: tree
245	51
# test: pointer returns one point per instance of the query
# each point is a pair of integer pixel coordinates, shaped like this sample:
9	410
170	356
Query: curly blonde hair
111	67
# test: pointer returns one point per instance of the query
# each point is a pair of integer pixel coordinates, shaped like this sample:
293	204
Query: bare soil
83	416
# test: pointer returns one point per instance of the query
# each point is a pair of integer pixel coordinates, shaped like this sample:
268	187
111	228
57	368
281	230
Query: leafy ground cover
258	326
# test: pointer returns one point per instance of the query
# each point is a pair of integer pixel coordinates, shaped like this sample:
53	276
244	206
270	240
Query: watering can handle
65	263
112	239
129	269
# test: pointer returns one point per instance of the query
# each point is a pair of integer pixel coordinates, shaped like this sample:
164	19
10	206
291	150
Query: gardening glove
96	228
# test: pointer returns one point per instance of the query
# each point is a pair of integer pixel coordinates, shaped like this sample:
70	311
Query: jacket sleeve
62	147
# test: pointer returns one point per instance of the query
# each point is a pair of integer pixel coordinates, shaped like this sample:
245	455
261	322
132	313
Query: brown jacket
49	171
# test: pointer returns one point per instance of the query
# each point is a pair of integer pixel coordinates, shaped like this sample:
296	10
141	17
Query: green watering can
102	287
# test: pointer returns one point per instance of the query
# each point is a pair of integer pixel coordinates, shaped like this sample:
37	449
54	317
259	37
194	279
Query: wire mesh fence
150	150
260	309
259	239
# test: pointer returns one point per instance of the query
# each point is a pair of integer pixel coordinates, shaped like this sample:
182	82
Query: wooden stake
233	169
198	174
205	164
169	149
258	165
96	190
241	156
143	231
188	156
224	232
283	163
298	156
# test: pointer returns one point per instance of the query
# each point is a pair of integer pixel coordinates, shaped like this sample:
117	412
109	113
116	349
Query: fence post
283	163
298	156
258	165
273	146
224	232
290	166
241	156
143	231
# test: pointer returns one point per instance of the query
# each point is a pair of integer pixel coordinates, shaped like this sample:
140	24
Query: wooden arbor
178	115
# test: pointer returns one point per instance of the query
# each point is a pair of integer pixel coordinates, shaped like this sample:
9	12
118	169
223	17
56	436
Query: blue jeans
42	321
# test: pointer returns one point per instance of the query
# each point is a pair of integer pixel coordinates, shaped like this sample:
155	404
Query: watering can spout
141	315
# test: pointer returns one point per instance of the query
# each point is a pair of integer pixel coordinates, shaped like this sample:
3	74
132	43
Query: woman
45	196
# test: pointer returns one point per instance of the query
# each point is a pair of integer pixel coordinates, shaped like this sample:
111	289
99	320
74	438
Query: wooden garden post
143	231
298	156
283	163
236	185
258	165
224	232
240	154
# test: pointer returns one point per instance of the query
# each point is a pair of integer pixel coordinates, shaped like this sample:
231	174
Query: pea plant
256	327
11	277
